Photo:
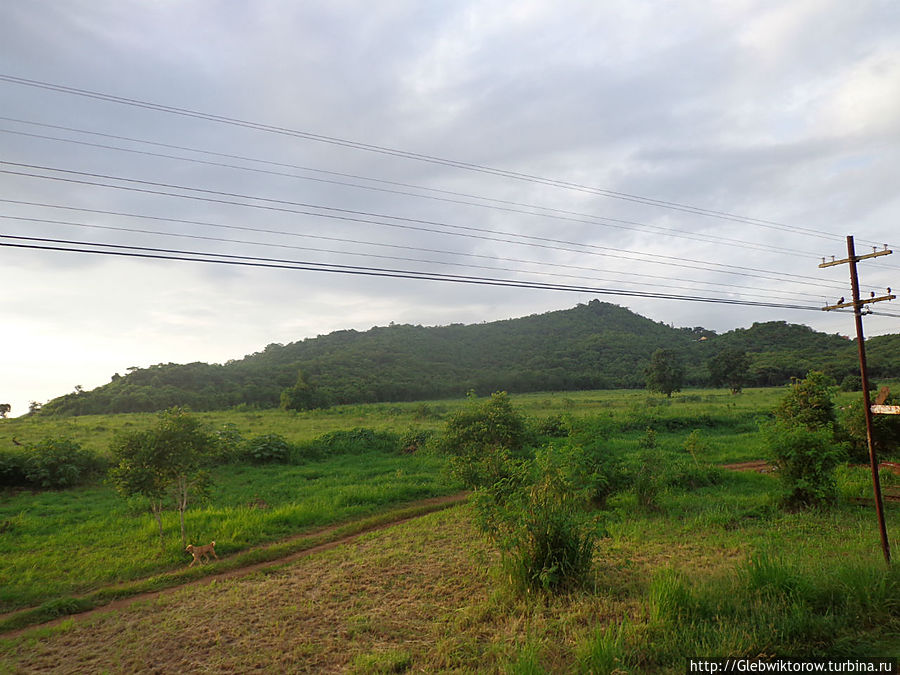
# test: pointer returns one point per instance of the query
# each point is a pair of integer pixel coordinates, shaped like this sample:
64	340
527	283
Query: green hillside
592	346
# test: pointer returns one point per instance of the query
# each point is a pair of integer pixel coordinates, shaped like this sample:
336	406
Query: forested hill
592	346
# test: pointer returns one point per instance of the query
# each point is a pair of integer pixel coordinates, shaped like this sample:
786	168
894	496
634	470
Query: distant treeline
592	346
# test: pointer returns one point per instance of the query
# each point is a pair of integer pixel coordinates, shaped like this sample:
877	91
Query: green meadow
712	567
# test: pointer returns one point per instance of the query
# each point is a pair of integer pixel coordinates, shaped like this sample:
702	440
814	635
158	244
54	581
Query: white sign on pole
886	409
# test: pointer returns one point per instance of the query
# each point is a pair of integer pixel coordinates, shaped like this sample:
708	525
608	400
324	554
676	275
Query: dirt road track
436	502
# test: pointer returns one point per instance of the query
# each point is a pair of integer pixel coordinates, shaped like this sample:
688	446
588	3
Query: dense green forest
592	346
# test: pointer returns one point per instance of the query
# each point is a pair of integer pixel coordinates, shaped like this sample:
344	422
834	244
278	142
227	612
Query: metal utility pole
857	305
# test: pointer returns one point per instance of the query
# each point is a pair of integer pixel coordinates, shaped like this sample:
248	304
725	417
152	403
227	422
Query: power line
373	255
366	217
500	205
43	243
368	147
305	235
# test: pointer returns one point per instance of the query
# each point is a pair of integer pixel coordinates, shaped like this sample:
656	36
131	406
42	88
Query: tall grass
770	605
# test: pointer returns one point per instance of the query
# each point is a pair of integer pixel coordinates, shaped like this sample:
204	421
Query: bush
56	463
546	540
266	449
852	383
415	440
357	441
229	443
597	471
803	444
12	468
554	426
809	402
645	474
483	425
806	461
483	440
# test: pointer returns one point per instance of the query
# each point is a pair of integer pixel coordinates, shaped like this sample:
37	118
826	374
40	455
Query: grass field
716	570
96	432
425	597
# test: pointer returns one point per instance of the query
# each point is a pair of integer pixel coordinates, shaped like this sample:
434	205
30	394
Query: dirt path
759	466
436	502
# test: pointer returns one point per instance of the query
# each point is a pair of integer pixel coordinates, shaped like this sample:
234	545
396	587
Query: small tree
803	443
169	459
481	439
809	402
4	410
141	472
304	396
729	367
665	373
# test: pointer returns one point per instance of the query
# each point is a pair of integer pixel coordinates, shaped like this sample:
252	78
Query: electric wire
500	205
342	142
180	235
44	243
340	214
305	235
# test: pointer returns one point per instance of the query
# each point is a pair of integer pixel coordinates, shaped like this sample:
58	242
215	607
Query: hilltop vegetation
592	346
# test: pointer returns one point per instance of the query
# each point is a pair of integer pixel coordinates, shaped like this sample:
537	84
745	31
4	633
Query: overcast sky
785	115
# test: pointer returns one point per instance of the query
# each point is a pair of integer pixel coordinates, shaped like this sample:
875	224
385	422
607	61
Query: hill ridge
595	345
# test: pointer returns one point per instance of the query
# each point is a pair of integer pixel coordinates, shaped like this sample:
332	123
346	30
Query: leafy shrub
596	470
546	540
554	426
851	383
349	442
415	440
803	444
12	468
648	440
809	402
696	445
266	449
57	463
482	425
645	476
806	461
483	439
229	442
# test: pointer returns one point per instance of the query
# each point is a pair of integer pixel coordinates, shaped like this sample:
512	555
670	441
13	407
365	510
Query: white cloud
783	112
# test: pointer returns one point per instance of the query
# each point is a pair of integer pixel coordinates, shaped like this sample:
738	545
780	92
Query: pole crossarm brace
856	258
867	301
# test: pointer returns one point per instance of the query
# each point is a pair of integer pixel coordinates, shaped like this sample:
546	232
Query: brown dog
201	552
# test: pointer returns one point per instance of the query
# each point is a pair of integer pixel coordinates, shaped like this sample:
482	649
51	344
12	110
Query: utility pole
857	306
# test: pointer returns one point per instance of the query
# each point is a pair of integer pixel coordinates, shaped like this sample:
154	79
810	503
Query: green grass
813	578
691	409
60	543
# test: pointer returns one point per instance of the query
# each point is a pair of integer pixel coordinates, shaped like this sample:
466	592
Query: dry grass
420	597
385	592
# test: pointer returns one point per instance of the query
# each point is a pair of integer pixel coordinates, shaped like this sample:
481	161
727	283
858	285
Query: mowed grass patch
70	542
427	596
